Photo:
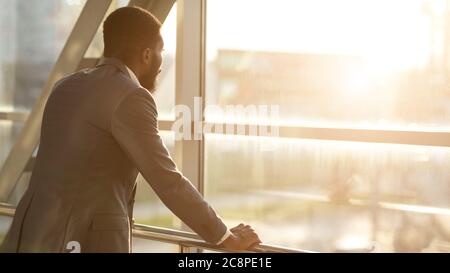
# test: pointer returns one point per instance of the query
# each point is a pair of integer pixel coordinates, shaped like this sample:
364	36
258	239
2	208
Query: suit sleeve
134	126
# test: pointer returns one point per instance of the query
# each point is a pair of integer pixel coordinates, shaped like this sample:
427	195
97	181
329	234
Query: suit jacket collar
121	66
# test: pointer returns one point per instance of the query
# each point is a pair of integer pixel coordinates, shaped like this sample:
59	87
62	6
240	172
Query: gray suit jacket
99	130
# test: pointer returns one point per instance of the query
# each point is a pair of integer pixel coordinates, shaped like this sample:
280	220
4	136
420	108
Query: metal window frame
405	137
189	83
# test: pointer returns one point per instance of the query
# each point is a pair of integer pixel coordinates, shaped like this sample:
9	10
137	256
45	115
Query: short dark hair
129	27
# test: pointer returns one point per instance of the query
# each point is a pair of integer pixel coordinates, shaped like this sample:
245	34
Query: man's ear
147	56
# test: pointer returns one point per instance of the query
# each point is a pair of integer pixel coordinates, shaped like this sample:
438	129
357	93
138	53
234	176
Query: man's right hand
242	237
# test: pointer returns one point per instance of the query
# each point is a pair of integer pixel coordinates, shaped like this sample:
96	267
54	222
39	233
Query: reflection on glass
8	132
165	89
332	63
5	222
332	195
35	31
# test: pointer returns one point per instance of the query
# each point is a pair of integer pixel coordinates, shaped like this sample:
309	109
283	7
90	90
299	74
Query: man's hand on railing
242	237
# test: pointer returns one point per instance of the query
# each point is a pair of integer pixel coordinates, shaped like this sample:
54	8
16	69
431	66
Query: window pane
5	223
165	88
332	195
8	132
35	31
332	62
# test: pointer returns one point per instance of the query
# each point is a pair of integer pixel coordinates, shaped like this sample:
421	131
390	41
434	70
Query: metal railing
185	240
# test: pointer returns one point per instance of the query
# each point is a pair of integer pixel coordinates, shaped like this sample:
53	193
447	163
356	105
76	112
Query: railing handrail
181	238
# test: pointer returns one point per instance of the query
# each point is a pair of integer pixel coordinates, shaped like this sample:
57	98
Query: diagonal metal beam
76	45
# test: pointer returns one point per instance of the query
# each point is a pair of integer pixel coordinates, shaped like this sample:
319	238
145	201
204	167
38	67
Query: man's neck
130	69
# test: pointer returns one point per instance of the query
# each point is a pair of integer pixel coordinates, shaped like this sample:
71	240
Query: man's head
132	35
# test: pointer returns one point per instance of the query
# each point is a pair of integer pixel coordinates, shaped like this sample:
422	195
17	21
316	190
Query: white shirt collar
120	64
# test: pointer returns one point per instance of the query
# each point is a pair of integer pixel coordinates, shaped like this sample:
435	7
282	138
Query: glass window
8	131
332	63
5	223
35	31
332	195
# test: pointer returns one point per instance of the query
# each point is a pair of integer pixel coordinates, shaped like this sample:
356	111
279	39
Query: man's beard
148	81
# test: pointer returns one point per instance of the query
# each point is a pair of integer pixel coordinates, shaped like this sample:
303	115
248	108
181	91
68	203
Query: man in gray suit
99	130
